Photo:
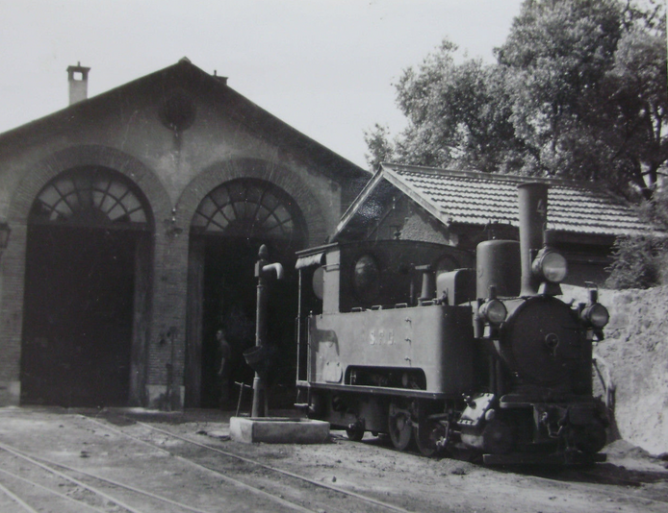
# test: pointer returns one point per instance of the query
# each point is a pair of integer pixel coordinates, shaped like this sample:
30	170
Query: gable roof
187	77
474	198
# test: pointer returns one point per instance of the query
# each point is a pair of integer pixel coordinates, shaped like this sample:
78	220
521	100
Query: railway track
228	477
292	490
66	474
591	476
20	490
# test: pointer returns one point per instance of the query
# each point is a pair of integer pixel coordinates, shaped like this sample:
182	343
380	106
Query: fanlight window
247	208
90	196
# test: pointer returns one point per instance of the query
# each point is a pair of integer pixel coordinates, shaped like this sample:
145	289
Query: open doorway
78	317
86	231
229	227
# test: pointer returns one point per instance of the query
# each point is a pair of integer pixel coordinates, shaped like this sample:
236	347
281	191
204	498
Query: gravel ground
632	480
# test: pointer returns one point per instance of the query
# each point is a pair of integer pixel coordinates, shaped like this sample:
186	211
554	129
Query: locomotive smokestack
533	220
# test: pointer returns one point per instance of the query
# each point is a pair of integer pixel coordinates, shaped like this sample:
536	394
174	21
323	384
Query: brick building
135	219
463	208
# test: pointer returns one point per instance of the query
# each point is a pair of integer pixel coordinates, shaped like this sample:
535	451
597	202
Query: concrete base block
278	430
10	393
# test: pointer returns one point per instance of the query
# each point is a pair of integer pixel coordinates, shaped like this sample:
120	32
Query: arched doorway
87	231
228	227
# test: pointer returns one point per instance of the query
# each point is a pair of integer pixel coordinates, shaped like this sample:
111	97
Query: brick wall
174	171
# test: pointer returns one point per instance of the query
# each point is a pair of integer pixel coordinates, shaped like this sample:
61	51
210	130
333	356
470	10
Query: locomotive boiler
418	342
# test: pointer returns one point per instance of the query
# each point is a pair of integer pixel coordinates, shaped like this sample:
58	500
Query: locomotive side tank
412	340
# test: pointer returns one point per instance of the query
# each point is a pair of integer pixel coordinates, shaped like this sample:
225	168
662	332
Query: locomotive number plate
381	337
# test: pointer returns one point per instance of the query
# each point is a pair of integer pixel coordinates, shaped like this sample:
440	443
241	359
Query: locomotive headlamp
595	315
550	266
493	312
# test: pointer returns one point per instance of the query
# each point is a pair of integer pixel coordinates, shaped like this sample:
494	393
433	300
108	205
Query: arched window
249	208
89	196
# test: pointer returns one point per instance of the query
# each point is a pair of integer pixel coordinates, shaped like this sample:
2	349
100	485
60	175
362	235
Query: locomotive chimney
533	220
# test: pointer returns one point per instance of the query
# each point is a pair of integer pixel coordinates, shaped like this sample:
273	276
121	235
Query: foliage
380	147
637	263
642	261
578	90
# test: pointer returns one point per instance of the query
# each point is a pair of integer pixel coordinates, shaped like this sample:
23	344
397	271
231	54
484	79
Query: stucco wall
406	220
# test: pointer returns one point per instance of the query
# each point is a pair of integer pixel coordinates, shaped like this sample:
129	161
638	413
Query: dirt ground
636	349
630	481
111	443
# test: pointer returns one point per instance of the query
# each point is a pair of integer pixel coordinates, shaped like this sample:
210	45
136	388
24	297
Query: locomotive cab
373	338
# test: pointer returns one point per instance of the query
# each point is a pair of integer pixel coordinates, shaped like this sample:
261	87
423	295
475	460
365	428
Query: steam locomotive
415	341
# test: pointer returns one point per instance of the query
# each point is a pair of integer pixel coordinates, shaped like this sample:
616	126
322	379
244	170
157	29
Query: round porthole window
177	112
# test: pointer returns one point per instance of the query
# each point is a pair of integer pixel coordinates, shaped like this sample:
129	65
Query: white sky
326	67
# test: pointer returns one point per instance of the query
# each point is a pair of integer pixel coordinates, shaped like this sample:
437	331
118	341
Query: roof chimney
220	79
77	76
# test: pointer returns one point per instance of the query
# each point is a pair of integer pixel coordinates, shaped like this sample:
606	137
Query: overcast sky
326	67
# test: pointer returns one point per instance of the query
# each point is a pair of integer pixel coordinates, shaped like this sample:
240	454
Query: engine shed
134	220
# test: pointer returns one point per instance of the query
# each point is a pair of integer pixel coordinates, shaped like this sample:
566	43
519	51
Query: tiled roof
479	198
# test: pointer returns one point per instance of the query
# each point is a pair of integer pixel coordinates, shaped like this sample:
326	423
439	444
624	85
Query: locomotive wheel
590	438
427	433
400	427
355	432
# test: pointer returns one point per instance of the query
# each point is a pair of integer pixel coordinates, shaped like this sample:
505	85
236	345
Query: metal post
262	268
260	324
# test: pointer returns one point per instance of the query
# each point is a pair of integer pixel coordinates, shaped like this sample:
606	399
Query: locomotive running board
543	459
422	394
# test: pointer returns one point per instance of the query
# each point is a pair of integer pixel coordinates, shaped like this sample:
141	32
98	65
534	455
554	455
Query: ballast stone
278	430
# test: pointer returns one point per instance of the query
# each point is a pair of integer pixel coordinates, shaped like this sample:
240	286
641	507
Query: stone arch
35	178
221	290
88	155
278	175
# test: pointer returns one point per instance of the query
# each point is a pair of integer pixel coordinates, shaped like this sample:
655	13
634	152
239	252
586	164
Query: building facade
464	208
135	219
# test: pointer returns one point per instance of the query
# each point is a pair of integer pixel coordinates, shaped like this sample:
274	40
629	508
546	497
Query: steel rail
293	475
34	461
54	492
578	486
199	466
152	495
17	499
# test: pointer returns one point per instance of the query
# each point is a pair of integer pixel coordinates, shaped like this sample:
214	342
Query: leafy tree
637	262
380	147
641	261
458	114
579	90
557	54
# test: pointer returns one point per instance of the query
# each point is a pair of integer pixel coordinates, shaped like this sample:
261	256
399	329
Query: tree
557	54
579	91
380	147
638	92
641	261
458	114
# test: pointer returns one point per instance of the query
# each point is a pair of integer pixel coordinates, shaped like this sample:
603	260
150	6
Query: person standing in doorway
224	353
